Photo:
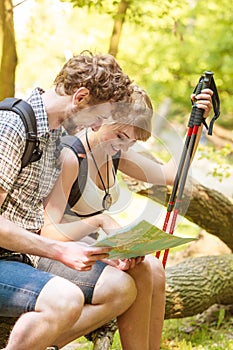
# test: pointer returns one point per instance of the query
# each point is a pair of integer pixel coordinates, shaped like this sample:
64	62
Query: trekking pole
195	121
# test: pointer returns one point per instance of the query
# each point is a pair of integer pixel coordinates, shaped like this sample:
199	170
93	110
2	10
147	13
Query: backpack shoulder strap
32	151
115	160
75	144
77	147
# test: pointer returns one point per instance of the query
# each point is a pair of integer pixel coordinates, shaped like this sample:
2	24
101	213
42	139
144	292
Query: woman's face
116	137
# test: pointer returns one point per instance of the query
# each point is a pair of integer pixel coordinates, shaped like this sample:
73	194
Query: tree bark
117	27
191	287
8	55
195	284
6	324
198	283
207	208
221	137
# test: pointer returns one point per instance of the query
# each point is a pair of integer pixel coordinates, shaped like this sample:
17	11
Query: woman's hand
204	101
125	264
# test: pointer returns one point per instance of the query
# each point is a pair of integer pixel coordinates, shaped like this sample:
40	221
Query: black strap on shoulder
32	151
115	160
77	147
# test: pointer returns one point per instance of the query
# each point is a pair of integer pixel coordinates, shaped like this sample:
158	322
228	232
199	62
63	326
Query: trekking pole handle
204	82
194	107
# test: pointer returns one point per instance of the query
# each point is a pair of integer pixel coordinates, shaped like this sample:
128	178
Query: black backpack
32	151
77	147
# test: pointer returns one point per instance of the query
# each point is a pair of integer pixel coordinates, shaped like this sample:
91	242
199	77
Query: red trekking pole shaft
195	122
171	201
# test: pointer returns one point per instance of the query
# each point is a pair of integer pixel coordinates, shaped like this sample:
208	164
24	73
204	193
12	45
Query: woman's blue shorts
85	280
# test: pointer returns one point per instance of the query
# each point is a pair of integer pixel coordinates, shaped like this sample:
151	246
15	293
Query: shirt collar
37	104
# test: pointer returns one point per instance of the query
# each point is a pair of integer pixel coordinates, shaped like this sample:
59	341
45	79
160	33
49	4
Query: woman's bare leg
134	324
114	293
158	302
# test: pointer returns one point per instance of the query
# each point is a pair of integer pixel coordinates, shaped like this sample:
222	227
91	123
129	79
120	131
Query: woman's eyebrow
122	132
128	137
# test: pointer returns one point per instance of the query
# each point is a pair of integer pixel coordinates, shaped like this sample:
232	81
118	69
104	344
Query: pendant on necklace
107	201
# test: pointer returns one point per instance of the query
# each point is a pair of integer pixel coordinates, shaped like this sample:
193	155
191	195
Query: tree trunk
6	323
221	137
198	283
117	28
191	287
8	55
207	208
195	284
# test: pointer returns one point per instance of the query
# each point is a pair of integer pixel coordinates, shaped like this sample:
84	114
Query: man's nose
95	127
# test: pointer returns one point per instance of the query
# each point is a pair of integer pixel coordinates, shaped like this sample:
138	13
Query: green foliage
165	46
186	334
222	158
97	4
221	317
48	41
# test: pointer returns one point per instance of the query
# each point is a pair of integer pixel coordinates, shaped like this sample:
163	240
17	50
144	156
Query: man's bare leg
58	307
114	293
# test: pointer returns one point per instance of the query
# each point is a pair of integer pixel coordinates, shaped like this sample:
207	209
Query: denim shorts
20	286
85	280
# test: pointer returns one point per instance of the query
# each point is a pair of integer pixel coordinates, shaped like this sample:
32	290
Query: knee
70	300
127	289
117	288
61	299
143	276
159	279
124	289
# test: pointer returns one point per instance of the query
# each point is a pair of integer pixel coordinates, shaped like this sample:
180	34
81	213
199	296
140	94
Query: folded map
139	240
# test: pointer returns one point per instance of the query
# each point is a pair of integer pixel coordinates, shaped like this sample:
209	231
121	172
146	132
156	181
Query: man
83	90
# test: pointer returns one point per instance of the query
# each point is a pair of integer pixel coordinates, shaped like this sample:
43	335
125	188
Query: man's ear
81	97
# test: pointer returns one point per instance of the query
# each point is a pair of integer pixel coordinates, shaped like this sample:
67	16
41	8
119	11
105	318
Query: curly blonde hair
100	74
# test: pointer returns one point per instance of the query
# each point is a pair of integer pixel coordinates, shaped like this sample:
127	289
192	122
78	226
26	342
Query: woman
140	327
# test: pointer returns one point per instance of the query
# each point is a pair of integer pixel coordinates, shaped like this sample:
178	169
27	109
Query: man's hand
80	256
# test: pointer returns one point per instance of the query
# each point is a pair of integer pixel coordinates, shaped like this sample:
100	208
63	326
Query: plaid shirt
27	188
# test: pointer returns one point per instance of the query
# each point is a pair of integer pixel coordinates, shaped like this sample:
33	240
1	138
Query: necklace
107	200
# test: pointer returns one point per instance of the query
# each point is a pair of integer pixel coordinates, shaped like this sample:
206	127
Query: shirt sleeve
12	144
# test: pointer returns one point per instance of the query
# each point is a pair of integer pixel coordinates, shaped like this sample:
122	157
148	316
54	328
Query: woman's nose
124	146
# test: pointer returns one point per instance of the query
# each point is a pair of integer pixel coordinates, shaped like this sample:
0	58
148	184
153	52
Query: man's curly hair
100	74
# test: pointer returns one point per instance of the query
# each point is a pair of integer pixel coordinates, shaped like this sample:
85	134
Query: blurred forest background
163	45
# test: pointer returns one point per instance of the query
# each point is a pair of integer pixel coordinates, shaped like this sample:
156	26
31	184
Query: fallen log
192	286
206	207
195	284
